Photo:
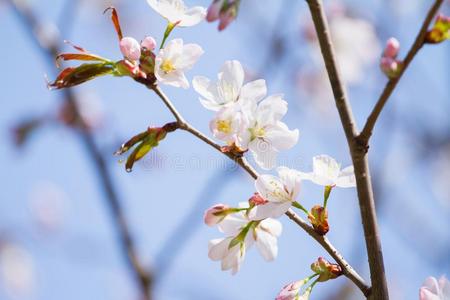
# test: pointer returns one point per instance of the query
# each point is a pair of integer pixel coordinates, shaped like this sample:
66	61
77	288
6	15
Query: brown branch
358	153
323	241
366	132
143	277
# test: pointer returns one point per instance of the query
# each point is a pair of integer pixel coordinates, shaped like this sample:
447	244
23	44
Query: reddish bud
214	10
326	270
319	219
257	199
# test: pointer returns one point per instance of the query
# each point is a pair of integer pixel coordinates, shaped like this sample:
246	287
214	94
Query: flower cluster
273	197
140	60
389	63
244	117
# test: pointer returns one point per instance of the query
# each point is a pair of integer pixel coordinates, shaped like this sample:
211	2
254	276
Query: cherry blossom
130	48
173	60
266	135
291	291
229	88
241	233
148	43
228	123
279	191
175	12
433	289
327	172
214	215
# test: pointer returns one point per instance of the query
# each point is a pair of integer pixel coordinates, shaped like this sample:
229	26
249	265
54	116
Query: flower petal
193	16
264	153
346	178
280	137
189	56
218	248
266	244
254	91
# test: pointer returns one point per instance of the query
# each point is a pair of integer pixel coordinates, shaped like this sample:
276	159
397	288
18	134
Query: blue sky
81	260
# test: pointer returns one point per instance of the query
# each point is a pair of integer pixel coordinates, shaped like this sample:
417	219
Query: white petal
218	248
208	91
272	226
193	16
233	258
254	91
264	153
280	136
231	78
232	224
266	244
189	56
444	286
271	110
271	188
291	181
326	170
346	178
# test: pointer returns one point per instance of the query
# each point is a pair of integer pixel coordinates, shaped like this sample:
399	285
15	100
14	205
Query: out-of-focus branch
358	153
51	50
366	132
347	269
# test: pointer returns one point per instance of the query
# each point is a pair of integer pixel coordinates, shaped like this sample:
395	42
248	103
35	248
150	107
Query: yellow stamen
224	126
167	66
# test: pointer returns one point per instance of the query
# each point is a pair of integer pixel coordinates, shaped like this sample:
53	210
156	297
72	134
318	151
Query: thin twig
325	243
366	132
143	277
358	153
347	269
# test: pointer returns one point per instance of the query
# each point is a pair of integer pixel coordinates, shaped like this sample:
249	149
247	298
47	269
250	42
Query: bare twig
358	153
366	132
348	270
143	277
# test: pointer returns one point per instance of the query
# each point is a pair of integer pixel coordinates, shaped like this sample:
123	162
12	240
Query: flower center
167	66
257	132
224	126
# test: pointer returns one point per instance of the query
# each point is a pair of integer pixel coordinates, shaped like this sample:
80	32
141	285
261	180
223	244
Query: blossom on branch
389	63
176	12
279	192
327	172
229	89
265	134
241	233
173	60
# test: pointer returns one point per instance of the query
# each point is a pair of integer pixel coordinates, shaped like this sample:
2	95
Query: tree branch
366	132
323	241
50	51
358	153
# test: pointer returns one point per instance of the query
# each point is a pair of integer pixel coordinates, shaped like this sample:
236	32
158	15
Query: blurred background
63	191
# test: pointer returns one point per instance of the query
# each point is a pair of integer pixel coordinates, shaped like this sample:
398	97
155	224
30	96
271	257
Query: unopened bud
148	43
257	199
390	66
214	10
325	269
392	48
319	219
227	17
215	214
130	48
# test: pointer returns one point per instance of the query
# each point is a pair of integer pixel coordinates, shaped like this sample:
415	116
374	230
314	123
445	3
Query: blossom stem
326	195
169	28
301	207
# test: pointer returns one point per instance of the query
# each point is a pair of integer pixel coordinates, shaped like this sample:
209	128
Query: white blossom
177	13
229	88
266	135
262	233
279	191
327	172
173	60
433	289
228	123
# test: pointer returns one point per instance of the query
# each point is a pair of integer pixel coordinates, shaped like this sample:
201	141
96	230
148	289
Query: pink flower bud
148	43
227	17
130	48
290	291
390	66
256	200
214	10
392	48
214	215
